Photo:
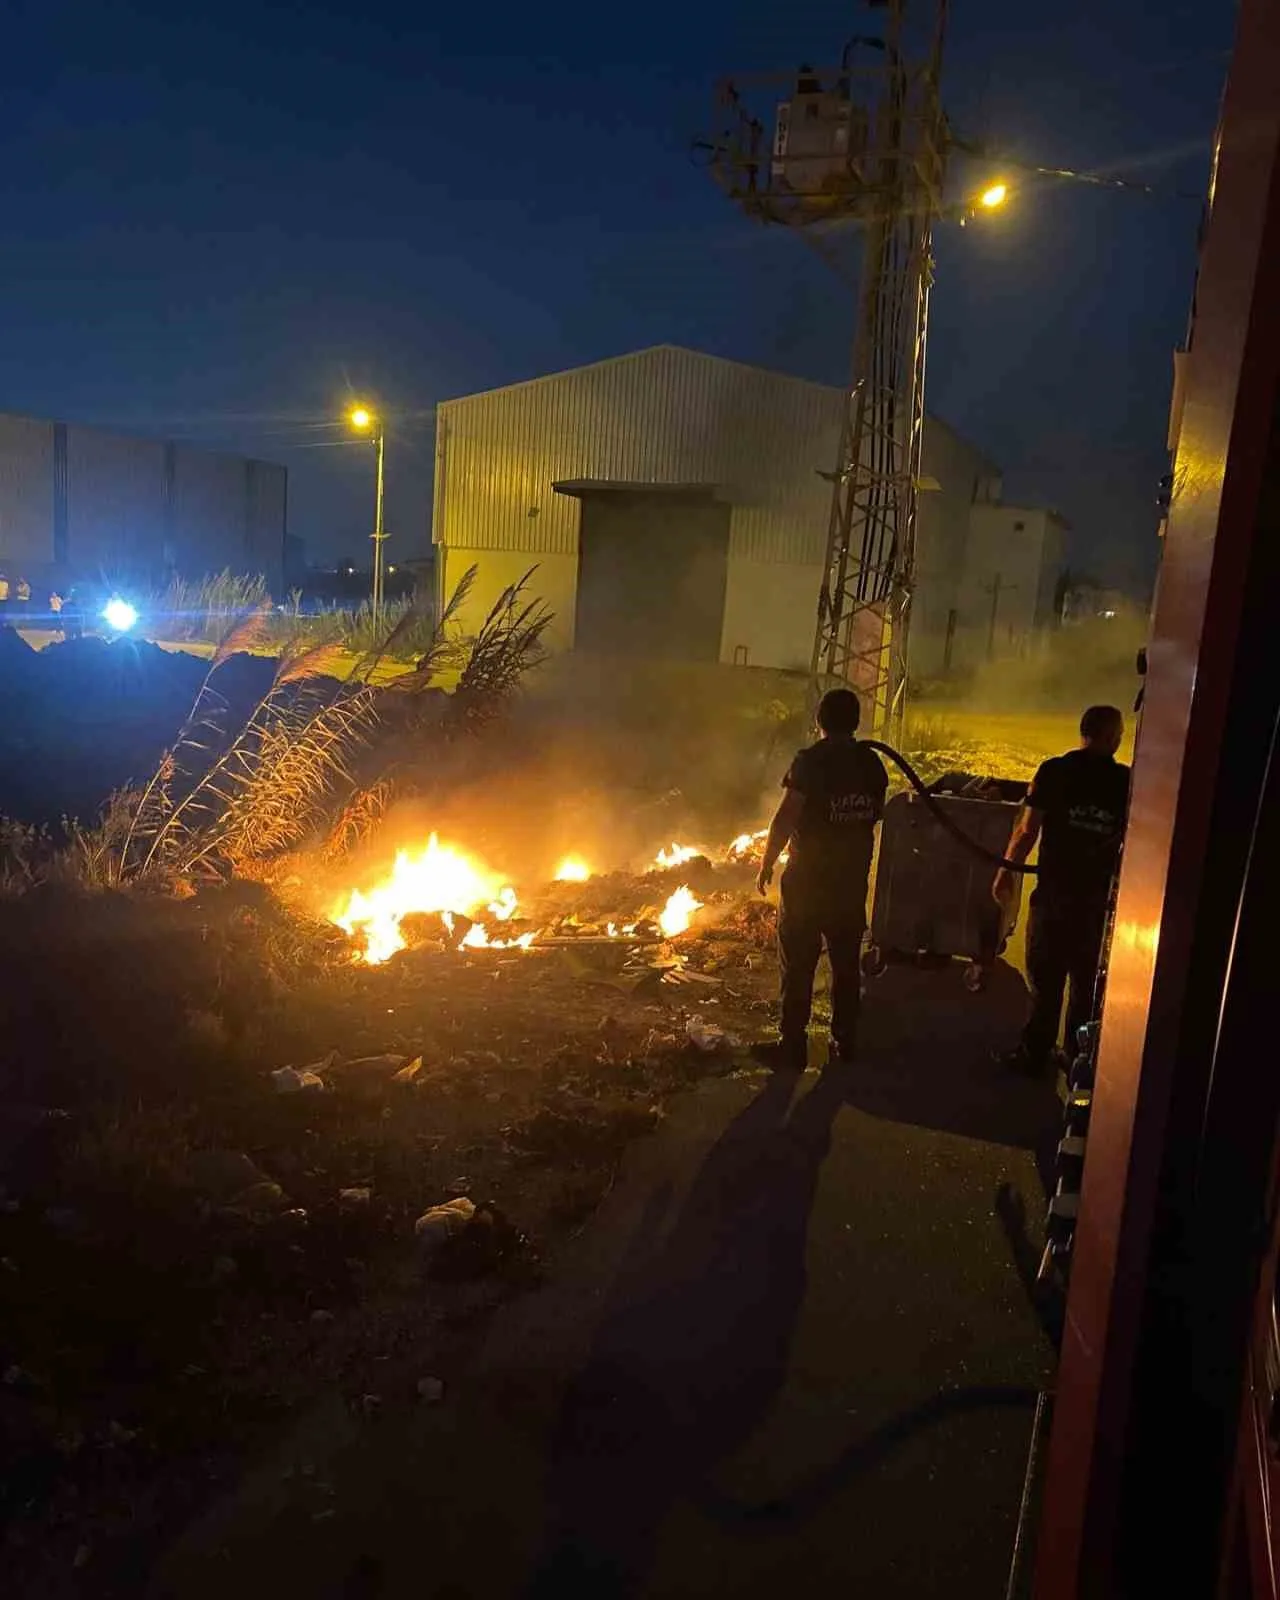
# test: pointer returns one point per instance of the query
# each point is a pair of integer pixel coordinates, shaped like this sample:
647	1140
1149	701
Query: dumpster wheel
874	961
975	977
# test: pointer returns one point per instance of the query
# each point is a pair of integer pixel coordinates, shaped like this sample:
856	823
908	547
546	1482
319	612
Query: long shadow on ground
931	1060
693	1347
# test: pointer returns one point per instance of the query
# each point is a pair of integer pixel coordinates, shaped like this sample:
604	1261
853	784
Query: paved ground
792	1354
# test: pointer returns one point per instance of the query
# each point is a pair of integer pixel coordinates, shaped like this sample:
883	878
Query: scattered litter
710	1036
481	1246
292	1080
408	1072
437	1226
686	975
431	1390
388	1066
358	1195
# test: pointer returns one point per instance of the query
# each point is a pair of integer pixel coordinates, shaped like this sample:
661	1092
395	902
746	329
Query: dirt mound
83	717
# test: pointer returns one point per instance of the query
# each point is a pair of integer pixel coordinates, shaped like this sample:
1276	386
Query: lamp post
365	421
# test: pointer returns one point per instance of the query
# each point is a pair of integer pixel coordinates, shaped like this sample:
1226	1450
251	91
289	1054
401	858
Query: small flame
746	844
678	912
676	856
505	906
573	869
477	938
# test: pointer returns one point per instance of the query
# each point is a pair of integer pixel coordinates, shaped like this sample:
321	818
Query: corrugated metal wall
211	513
26	495
115	499
90	501
669	415
267	487
658	416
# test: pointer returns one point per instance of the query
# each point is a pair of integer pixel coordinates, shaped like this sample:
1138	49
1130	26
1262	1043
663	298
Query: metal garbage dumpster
932	894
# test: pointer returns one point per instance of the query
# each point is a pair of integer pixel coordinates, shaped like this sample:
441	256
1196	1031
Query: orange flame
676	856
678	912
573	869
439	878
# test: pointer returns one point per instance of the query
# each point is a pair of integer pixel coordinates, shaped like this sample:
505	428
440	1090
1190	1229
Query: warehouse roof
637	355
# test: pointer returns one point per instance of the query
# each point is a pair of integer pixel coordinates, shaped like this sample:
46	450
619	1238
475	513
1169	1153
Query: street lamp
365	421
995	195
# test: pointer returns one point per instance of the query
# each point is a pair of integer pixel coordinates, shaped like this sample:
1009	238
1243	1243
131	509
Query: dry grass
358	818
507	646
222	801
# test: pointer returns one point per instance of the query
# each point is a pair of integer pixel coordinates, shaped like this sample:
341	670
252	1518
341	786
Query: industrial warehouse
705	1040
676	504
78	504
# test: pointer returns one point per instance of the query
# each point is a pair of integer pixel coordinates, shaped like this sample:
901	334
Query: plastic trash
709	1036
442	1223
293	1080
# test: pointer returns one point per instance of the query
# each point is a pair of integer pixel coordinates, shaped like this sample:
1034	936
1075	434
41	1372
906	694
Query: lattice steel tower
861	144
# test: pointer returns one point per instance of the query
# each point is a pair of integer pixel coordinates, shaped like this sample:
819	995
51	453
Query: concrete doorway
652	570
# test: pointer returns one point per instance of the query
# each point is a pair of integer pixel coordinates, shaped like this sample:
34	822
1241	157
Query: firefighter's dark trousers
813	915
1064	946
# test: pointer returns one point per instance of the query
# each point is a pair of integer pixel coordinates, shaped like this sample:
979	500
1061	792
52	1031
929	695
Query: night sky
220	222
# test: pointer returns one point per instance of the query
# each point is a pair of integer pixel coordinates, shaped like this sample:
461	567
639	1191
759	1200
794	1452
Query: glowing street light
363	420
994	196
119	615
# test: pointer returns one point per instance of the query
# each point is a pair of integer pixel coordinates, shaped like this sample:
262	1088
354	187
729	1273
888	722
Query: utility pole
995	589
863	143
379	533
365	420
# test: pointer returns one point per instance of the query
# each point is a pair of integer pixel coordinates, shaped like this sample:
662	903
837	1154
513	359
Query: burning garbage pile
447	897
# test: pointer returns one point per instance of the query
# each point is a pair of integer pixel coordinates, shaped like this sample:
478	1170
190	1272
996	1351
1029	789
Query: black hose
940	814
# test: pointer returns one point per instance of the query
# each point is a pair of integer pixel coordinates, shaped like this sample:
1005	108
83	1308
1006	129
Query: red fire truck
1162	1467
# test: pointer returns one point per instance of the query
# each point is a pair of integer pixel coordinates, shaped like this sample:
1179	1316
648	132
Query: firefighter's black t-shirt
843	785
1084	797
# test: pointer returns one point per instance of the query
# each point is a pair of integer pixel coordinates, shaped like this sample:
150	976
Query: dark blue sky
220	221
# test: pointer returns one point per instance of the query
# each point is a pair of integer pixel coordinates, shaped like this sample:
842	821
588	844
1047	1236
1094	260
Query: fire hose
939	812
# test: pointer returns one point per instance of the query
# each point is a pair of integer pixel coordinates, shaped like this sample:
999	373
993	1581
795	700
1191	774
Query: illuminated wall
762	442
84	503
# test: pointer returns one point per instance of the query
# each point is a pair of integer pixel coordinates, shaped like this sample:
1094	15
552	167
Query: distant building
675	505
77	503
1009	591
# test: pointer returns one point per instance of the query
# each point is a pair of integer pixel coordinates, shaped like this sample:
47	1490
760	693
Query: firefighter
835	792
1076	809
